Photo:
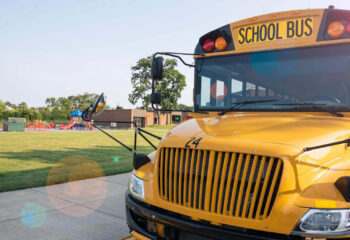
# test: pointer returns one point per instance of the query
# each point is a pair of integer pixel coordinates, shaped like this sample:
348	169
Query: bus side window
261	91
236	90
205	92
218	93
250	89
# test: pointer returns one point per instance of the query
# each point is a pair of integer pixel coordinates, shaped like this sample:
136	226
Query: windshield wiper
238	105
321	107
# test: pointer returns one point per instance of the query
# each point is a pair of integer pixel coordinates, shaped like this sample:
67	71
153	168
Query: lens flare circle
218	92
264	62
87	195
33	215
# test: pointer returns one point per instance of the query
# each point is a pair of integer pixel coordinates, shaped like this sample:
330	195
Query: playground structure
39	124
77	123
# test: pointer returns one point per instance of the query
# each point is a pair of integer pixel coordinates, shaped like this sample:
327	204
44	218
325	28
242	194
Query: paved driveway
88	209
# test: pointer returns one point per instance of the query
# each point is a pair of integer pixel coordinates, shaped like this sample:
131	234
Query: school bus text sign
275	31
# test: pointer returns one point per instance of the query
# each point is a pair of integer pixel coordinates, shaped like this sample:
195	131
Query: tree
119	107
51	102
170	86
185	107
10	105
61	108
141	81
2	109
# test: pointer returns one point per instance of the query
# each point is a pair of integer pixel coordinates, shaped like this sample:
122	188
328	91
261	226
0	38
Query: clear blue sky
59	48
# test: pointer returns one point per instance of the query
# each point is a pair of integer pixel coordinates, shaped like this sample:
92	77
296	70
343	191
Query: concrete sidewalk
87	209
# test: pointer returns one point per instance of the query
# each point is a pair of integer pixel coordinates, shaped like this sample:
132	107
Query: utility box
13	127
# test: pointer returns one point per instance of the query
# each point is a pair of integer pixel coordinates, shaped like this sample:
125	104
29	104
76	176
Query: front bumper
141	215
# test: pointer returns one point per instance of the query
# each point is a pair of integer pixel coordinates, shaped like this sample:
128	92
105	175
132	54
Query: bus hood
277	134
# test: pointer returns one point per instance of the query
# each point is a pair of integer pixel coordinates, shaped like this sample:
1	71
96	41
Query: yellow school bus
265	155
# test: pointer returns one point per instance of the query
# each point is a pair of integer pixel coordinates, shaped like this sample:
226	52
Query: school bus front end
265	155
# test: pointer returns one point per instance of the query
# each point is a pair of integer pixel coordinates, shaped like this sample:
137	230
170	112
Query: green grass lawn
162	127
28	158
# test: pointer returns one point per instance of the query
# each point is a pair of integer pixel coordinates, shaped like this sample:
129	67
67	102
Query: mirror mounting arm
93	110
138	159
138	130
116	140
156	95
176	55
152	135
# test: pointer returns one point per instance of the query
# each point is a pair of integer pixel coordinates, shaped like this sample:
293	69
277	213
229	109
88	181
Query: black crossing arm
138	130
112	137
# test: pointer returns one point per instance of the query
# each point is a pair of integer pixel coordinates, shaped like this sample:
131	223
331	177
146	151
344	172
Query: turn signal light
220	43
336	29
208	45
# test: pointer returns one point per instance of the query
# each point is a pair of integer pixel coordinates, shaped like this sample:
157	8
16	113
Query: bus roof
291	29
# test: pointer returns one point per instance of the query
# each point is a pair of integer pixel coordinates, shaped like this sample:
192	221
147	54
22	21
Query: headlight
324	223
136	187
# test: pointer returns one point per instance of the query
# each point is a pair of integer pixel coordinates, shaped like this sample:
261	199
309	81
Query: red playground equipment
77	123
38	124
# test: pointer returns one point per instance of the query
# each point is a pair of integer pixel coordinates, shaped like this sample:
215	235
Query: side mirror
97	109
156	98
140	160
99	106
157	68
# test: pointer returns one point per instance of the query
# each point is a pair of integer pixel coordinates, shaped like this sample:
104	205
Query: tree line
56	109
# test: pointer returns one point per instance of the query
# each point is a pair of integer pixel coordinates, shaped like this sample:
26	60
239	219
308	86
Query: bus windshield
291	79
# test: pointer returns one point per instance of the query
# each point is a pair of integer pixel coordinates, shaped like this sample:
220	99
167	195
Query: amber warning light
220	43
337	29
